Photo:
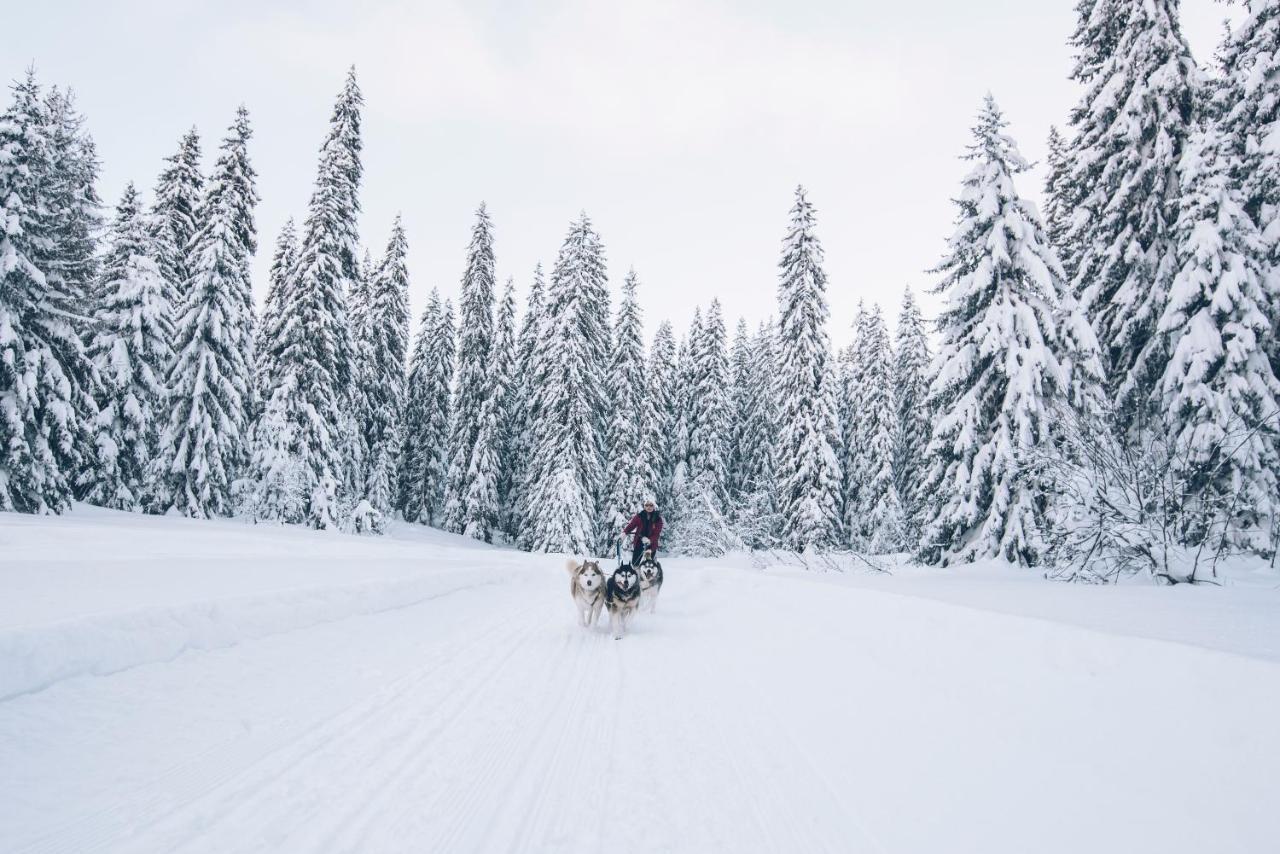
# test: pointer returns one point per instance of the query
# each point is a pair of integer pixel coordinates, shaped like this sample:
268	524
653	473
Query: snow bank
34	658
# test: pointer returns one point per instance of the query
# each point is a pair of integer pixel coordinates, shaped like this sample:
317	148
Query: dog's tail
571	565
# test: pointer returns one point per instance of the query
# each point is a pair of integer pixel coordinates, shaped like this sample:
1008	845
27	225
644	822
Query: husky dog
650	581
586	586
622	598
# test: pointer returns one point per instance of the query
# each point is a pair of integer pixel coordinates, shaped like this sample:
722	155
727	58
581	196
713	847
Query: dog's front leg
616	625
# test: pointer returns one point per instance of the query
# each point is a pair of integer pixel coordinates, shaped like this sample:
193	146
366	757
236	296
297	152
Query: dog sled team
629	588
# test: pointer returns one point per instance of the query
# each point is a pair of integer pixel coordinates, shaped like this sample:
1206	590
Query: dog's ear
571	565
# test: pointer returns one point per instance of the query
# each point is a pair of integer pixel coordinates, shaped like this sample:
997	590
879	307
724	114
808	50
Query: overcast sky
681	126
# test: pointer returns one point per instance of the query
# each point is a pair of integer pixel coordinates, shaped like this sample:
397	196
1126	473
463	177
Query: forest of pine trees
1129	333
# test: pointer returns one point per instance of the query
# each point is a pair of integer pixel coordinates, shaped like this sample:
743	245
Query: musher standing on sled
645	529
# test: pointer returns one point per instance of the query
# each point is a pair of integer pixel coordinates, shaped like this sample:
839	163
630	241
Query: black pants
638	552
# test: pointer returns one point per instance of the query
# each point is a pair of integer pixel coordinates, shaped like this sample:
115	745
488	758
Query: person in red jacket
645	528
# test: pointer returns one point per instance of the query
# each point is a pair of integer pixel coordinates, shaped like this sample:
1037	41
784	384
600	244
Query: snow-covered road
753	712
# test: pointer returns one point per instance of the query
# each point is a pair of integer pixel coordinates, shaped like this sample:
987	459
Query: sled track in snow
215	786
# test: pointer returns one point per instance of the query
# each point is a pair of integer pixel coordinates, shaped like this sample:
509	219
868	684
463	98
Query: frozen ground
171	685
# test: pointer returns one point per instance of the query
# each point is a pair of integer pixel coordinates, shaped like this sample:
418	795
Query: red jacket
644	525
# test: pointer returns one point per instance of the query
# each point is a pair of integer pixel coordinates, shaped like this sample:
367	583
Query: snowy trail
751	713
516	735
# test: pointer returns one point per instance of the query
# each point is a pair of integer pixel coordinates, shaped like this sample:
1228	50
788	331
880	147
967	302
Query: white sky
680	126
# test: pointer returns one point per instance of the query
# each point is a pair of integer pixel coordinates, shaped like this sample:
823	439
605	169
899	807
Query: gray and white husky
586	586
650	581
622	598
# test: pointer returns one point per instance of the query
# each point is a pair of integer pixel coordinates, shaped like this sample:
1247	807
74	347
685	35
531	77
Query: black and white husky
622	598
650	581
586	586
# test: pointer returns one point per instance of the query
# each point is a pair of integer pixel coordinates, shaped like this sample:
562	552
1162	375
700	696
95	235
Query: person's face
649	508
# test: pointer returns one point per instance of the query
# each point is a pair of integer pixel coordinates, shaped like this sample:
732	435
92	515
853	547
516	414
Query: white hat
649	499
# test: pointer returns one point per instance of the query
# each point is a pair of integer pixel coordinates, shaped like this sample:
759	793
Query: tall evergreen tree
686	384
756	507
1057	204
808	466
709	409
269	333
629	478
742	367
475	380
71	197
524	414
204	447
132	349
852	363
911	382
427	415
660	428
570	402
505	366
178	192
686	381
878	524
1131	128
1219	394
314	352
46	377
1248	104
388	335
999	376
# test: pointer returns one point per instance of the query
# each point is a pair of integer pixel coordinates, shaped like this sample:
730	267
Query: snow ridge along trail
753	712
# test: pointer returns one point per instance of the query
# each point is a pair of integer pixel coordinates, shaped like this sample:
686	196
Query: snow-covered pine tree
660	426
757	521
1057	203
46	377
475	381
708	410
1218	393
427	415
505	361
269	334
629	479
69	174
204	447
852	362
359	309
358	417
71	196
481	504
278	480
808	465
569	388
878	524
314	351
132	349
178	192
1131	129
742	368
387	332
1248	103
524	414
360	300
999	376
685	375
911	384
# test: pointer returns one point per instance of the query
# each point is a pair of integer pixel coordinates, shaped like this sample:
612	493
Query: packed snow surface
172	685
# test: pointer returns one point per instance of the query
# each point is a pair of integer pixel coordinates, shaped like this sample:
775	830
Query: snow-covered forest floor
174	685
